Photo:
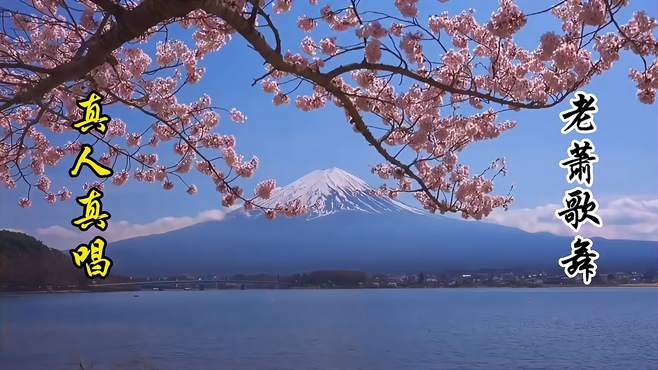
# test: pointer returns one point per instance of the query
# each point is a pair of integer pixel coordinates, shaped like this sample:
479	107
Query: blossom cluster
419	88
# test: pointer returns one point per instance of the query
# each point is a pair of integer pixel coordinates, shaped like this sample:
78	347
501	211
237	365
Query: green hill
27	264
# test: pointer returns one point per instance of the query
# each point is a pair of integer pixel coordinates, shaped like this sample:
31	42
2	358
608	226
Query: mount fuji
351	227
334	190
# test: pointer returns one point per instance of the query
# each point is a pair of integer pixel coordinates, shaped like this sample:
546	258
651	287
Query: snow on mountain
363	232
335	190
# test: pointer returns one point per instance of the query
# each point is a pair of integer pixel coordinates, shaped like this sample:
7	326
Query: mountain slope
356	229
335	190
26	263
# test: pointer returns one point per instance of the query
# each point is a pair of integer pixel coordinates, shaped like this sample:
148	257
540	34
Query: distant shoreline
636	285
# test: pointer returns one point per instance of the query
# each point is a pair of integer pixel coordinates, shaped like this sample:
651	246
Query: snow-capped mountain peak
324	181
335	190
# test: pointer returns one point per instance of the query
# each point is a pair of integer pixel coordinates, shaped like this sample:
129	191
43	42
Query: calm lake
415	329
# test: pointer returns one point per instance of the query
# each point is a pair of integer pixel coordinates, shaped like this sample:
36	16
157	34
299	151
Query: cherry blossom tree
418	90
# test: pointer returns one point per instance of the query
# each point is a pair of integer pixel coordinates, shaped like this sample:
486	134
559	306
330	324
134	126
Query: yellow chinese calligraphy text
93	258
94	117
93	212
84	158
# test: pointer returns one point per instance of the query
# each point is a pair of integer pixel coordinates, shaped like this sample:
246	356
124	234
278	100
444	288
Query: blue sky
291	143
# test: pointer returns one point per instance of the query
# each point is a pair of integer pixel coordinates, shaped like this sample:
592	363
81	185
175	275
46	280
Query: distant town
341	279
26	264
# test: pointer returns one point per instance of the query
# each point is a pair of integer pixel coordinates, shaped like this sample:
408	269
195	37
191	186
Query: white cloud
57	231
14	230
66	237
623	218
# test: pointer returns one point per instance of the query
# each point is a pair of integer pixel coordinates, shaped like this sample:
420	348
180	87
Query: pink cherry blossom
134	139
373	51
249	168
228	200
396	29
550	41
280	99
121	178
308	45
407	7
270	86
424	85
647	96
51	198
44	184
594	12
282	6
507	20
24	202
93	185
339	21
328	46
64	194
237	116
264	189
306	24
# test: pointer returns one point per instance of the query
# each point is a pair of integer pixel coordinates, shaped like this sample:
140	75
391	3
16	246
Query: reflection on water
594	328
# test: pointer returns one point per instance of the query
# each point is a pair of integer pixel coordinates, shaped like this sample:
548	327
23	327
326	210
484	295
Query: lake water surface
414	329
